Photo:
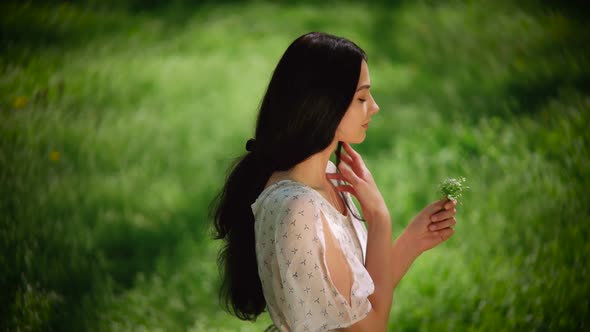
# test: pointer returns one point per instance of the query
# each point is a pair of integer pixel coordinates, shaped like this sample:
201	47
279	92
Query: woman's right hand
360	184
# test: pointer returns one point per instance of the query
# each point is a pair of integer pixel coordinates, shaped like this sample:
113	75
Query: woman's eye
362	100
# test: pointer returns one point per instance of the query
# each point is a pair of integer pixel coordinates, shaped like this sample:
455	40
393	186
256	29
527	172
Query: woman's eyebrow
363	87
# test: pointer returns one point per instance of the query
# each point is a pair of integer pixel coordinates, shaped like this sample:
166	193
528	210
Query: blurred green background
118	121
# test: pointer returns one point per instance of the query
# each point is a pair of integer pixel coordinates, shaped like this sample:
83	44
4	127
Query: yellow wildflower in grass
20	102
54	156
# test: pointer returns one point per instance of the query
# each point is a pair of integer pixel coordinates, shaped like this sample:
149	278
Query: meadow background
118	121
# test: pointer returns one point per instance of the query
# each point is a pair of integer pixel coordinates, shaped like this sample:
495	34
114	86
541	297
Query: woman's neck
311	172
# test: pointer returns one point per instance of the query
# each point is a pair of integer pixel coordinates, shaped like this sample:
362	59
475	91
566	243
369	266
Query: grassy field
117	127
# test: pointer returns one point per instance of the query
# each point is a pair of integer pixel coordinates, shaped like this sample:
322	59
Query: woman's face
354	124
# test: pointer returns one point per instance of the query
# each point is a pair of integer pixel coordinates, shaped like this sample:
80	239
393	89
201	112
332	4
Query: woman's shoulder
287	193
283	193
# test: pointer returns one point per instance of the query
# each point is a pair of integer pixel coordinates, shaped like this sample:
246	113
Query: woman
294	241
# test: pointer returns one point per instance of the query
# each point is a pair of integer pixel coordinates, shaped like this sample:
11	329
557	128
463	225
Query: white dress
290	251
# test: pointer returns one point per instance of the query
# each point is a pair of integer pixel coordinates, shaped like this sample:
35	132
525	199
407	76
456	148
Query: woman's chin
355	140
362	137
359	140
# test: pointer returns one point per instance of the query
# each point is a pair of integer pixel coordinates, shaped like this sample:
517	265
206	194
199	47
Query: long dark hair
308	94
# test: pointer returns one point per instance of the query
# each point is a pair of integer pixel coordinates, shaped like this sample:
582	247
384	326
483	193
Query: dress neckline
333	209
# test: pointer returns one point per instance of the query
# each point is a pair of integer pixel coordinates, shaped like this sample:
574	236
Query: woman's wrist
378	211
379	217
408	246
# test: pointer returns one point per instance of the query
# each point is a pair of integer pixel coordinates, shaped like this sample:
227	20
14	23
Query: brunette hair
310	90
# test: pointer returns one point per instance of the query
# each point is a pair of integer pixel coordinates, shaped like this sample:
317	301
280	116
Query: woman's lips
366	125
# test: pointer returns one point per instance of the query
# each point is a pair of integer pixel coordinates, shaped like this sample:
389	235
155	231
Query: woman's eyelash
362	100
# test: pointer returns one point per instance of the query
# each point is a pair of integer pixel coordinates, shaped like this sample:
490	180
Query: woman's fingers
335	176
441	205
353	154
435	206
348	173
443	224
346	189
444	214
443	234
446	233
450	204
345	158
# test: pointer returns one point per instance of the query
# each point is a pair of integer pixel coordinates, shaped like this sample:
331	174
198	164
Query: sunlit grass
116	130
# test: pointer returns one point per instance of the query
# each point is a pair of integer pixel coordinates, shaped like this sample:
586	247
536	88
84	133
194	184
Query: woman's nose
375	107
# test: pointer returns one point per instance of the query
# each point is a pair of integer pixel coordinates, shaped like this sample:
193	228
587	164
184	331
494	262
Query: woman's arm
380	265
379	260
403	255
387	263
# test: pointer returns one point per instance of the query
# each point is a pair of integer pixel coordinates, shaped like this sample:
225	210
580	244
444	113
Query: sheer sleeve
308	298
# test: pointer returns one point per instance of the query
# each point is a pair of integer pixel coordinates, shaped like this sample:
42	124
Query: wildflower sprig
453	188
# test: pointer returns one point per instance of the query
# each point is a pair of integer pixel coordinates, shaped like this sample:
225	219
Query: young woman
295	243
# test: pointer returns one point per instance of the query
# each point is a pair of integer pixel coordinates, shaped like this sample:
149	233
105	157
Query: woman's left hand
432	226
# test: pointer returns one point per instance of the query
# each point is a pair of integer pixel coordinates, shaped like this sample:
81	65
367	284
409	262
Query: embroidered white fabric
290	251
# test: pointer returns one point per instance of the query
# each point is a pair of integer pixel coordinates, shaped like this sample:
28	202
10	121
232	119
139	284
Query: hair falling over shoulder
241	289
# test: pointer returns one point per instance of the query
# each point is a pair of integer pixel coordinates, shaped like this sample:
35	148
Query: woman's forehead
364	78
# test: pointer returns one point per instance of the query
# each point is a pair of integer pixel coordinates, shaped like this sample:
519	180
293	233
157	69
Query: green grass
117	126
